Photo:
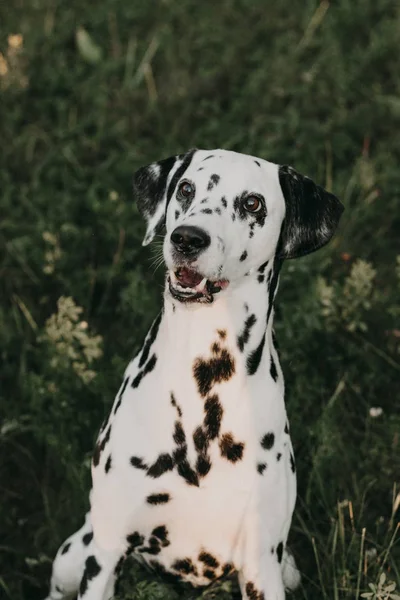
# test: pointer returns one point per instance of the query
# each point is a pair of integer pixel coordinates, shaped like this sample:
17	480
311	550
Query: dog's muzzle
188	285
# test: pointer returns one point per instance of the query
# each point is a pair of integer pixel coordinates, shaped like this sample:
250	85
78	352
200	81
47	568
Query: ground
89	92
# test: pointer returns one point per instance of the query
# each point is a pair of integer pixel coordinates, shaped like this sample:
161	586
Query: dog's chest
184	449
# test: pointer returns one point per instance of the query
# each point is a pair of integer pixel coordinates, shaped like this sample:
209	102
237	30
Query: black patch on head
244	337
260	278
175	405
203	465
215	370
87	538
256	218
120	395
253	593
224	202
268	440
207	157
231	450
209	560
149	188
292	463
187	473
138	463
184	565
151	337
312	214
177	214
261	468
243	256
272	369
92	569
257	163
147	369
163	464
179	435
212	420
254	358
279	552
214	180
206	211
204	200
65	548
200	169
107	466
158	498
178	174
279	456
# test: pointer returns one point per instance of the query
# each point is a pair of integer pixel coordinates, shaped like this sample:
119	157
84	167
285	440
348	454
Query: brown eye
186	189
252	204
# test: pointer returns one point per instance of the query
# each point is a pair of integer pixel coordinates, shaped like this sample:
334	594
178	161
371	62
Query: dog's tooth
200	286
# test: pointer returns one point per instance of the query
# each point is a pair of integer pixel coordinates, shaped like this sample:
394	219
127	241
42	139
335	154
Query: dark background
89	91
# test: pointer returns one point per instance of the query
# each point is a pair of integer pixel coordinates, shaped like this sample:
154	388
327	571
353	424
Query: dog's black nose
188	239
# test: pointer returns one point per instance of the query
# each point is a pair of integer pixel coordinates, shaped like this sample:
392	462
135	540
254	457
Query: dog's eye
186	189
252	204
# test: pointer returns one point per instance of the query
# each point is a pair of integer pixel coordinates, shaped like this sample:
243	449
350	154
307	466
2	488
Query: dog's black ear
312	214
153	187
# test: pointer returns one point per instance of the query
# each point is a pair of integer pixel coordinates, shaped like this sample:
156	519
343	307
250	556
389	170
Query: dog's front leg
99	576
260	573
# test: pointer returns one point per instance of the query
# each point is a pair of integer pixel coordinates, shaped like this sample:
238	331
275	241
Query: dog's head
226	214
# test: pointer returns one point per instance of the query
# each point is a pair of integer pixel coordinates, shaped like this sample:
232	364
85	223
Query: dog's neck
244	311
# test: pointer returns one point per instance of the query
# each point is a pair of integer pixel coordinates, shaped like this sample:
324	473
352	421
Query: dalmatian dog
193	471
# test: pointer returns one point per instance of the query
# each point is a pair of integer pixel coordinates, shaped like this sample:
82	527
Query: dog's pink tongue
188	278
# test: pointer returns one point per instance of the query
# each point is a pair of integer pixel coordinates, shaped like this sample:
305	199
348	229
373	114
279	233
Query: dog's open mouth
188	285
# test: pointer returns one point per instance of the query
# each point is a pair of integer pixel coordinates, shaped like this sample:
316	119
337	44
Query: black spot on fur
150	340
272	369
207	157
163	464
177	213
208	559
175	405
138	463
218	210
147	369
92	569
254	358
215	370
184	565
261	468
221	333
253	593
292	463
260	278
257	163
212	420
231	450
268	440
162	572
158	498
279	552
279	456
206	211
273	285
243	338
186	471
87	538
227	569
134	540
100	447
180	454
200	439
204	201
107	466
224	202
286	430
66	547
214	180
243	256
120	395
161	533
179	435
200	169
203	465
209	574
233	217
152	548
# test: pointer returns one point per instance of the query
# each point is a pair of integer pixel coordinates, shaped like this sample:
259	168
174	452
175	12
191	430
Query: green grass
313	85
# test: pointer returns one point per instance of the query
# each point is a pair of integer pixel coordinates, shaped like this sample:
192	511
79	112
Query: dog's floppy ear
153	187
312	214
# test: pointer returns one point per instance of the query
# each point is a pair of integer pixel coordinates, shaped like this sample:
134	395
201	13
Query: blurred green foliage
89	92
